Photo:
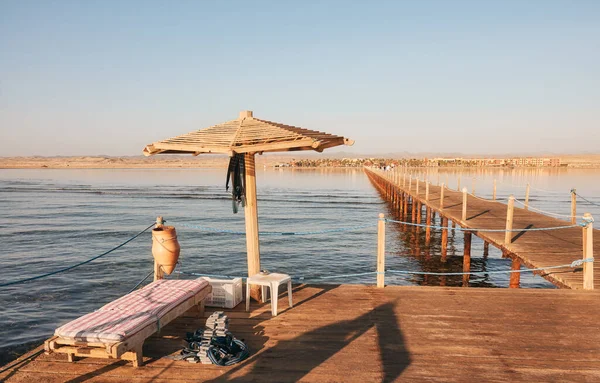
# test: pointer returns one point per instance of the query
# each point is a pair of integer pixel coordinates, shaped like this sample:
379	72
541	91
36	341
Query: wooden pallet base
131	348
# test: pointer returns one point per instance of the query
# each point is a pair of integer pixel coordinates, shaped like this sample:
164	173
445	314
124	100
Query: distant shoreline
200	162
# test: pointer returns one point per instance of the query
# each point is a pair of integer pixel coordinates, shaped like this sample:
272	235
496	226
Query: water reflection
411	242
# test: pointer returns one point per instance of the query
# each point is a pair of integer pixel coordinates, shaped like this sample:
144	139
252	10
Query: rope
586	200
281	233
142	281
544	211
485	199
522	203
586	221
573	264
77	265
480	230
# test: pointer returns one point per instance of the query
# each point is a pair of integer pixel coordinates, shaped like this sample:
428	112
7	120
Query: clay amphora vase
165	247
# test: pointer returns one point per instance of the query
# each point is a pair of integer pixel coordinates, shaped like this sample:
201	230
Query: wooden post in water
527	197
467	258
400	201
405	209
399	205
515	278
428	223
588	252
573	206
413	209
444	238
494	195
386	185
486	248
251	217
509	220
419	213
442	196
464	205
381	251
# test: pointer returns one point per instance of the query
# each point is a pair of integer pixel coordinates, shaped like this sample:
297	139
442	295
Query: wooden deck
535	249
365	334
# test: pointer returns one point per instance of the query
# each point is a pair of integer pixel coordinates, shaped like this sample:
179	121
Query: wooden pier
353	333
535	249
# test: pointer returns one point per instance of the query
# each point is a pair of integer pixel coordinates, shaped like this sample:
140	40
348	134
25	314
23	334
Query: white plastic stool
272	280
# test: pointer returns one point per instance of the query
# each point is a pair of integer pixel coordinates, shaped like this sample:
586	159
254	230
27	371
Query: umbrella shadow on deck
291	360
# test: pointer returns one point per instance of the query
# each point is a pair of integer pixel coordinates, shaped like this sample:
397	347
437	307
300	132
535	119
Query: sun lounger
118	330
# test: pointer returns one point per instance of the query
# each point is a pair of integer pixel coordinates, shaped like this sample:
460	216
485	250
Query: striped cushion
131	313
158	298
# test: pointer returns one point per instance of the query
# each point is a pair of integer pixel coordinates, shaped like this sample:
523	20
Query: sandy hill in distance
220	161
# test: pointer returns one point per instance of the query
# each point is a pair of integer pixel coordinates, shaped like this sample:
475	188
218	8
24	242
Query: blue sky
478	77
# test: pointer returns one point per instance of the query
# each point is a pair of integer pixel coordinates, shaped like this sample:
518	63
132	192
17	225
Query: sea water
51	219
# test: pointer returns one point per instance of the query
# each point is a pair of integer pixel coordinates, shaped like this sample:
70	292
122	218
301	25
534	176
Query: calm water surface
50	219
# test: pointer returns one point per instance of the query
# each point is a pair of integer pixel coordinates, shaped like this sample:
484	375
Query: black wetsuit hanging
237	173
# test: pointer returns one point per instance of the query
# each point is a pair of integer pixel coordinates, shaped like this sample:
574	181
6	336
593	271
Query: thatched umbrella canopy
248	135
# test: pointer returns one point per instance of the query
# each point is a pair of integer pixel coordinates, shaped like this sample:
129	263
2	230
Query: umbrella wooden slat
237	135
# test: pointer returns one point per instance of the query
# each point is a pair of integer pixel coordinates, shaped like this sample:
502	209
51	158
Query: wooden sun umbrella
248	135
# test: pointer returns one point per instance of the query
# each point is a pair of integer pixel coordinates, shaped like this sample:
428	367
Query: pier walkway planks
535	249
353	333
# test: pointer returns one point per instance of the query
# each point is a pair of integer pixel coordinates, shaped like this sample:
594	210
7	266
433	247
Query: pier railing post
464	205
409	183
417	187
381	251
494	195
509	220
588	251
527	197
442	196
573	206
427	191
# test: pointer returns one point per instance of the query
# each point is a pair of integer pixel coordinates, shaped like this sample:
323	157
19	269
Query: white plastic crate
226	293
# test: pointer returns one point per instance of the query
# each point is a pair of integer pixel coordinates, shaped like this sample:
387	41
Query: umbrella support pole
251	216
